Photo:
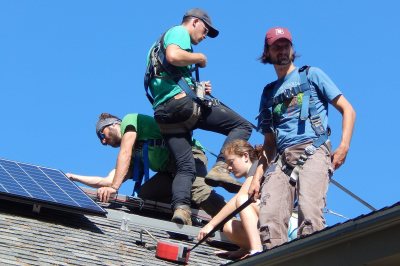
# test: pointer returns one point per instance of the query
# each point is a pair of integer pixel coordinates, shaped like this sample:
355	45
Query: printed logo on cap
279	31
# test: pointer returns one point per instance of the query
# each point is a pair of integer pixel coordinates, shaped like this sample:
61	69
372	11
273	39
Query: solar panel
43	187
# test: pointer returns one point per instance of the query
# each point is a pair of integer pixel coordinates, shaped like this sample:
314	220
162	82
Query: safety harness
142	151
157	65
308	111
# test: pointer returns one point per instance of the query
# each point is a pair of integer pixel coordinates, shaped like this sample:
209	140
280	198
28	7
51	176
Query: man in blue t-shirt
298	160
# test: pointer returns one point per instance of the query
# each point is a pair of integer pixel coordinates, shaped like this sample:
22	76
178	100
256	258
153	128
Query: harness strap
306	95
293	172
288	94
158	58
148	75
308	110
182	83
146	164
305	106
137	176
150	143
156	142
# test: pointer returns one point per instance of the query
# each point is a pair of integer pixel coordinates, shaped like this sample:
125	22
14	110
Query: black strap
150	143
172	72
290	92
182	83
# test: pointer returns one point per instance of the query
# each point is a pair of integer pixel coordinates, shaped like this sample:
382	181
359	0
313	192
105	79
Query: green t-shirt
146	128
164	89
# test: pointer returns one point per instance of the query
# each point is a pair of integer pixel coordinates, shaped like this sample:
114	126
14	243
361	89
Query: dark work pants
217	119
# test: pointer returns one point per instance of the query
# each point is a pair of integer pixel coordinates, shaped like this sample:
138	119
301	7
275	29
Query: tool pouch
184	126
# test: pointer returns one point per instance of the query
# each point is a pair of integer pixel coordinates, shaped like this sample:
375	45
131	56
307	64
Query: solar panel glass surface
43	185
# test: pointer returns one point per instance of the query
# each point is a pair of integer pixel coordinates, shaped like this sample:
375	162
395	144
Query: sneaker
219	177
182	215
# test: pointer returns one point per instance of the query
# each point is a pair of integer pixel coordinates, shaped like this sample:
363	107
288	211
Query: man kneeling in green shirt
138	135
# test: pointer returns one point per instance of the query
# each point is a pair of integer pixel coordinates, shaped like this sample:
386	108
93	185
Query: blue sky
62	63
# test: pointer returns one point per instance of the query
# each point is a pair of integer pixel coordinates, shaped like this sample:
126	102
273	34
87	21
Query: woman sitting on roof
242	159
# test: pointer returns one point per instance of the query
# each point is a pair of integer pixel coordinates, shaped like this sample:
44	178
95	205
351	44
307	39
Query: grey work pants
277	196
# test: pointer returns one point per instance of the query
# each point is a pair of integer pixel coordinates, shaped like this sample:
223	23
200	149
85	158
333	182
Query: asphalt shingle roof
54	237
59	238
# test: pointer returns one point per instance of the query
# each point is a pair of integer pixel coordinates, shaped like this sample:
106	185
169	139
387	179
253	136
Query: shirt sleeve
130	120
324	84
179	36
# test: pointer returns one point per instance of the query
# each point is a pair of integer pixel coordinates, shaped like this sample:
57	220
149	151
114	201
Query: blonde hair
240	147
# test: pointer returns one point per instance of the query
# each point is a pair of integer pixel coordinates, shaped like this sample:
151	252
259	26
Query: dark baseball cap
201	14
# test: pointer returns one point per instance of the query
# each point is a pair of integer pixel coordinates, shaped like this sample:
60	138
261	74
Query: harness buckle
200	90
316	123
208	103
315	119
288	94
294	175
287	169
310	150
320	130
302	160
292	180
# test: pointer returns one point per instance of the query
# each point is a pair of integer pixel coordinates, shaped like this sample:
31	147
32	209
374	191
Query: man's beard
114	142
282	60
114	145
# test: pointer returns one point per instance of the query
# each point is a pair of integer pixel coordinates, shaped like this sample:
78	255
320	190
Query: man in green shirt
142	148
181	104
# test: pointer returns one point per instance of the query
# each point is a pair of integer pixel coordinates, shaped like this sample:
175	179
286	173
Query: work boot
219	176
182	215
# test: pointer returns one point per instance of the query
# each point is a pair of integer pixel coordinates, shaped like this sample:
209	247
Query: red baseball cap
277	33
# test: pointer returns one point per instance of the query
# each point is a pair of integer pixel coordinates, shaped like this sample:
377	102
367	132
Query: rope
334	182
145	230
210	152
335	213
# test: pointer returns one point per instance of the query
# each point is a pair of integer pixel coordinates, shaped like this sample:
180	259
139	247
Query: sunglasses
205	30
101	135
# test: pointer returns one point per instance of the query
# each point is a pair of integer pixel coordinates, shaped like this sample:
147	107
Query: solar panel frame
43	186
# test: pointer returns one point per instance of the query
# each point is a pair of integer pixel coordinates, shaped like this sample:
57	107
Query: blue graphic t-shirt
289	129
